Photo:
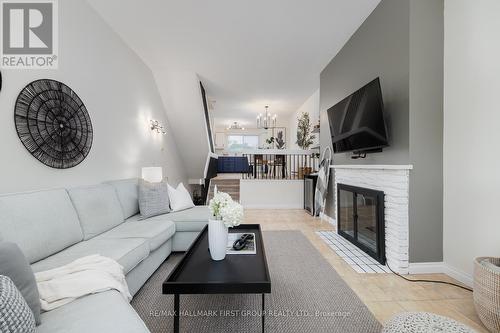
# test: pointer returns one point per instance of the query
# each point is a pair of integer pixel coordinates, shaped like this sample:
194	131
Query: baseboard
441	267
458	275
426	267
328	219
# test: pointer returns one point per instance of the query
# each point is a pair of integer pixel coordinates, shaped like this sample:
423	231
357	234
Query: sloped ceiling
247	53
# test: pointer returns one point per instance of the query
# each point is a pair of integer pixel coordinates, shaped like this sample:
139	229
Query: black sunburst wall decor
53	124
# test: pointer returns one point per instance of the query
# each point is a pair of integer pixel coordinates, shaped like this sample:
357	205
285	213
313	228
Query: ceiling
247	53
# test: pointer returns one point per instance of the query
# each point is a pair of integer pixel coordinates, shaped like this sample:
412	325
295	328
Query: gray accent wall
426	130
402	43
379	48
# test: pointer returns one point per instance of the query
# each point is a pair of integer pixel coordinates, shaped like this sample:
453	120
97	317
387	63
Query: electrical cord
431	281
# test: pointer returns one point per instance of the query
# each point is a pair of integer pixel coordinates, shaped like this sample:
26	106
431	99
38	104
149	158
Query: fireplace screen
361	219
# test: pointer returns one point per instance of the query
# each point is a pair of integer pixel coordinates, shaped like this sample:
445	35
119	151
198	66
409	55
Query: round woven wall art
53	124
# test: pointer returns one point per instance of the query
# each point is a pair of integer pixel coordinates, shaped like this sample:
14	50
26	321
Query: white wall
181	94
120	94
311	105
272	194
471	132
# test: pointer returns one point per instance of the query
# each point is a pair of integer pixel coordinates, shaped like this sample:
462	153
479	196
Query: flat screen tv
357	122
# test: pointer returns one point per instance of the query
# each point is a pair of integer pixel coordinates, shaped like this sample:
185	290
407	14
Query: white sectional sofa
55	227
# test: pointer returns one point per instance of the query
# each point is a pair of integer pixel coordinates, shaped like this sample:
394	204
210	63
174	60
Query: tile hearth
357	259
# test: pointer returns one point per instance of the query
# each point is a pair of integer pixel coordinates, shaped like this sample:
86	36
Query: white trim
441	267
373	166
458	275
426	267
328	219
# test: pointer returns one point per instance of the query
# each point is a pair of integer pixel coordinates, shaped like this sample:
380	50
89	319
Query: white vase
217	239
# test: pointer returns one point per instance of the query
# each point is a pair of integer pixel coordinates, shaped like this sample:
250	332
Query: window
240	142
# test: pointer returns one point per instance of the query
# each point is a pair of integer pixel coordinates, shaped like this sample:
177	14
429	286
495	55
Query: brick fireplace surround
394	181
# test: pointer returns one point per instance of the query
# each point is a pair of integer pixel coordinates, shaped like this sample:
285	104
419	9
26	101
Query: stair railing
280	166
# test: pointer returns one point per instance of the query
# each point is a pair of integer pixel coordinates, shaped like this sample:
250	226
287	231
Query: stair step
225	186
225	180
229	186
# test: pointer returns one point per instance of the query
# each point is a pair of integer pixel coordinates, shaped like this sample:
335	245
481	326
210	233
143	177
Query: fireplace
361	219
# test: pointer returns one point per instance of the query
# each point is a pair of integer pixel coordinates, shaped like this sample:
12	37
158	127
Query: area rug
307	296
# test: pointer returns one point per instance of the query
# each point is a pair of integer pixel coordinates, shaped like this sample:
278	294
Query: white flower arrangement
224	208
232	214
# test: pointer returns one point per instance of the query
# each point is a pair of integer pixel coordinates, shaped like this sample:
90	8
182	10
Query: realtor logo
29	34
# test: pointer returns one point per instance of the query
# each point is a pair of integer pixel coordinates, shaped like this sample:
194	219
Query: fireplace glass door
367	220
346	212
361	219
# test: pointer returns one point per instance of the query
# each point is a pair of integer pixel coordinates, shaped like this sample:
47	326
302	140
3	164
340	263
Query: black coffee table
197	273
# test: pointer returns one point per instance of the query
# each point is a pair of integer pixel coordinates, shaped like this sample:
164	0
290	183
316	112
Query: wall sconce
155	126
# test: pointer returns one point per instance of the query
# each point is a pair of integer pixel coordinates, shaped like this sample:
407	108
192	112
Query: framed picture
279	134
263	136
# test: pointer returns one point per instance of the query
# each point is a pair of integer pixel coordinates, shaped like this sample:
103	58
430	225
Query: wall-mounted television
357	122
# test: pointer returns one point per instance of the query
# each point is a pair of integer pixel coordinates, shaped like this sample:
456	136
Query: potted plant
226	213
270	142
304	137
304	140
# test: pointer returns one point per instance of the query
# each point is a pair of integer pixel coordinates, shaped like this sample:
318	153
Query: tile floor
384	294
357	259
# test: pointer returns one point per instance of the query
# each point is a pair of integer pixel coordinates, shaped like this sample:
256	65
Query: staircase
229	186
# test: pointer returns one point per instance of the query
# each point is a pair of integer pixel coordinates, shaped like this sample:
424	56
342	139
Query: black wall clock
53	124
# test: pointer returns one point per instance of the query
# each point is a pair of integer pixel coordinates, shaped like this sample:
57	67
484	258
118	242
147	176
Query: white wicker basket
487	292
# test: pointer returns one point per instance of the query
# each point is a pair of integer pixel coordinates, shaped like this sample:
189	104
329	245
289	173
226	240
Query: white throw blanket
84	276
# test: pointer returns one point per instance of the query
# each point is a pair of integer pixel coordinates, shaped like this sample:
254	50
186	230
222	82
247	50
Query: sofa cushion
156	232
191	219
127	252
98	208
15	265
103	312
127	191
40	223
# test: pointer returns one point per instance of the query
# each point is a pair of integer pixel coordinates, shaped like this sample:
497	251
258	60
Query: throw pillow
15	314
179	198
153	198
14	264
